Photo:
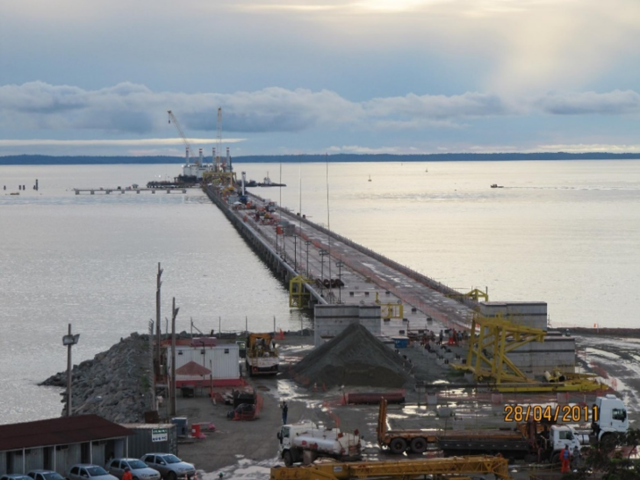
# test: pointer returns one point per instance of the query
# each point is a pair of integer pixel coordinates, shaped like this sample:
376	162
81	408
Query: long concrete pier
294	247
107	191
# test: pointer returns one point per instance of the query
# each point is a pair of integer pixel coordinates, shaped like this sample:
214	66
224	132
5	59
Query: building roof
59	431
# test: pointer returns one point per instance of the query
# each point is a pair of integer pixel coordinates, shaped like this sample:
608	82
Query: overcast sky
292	77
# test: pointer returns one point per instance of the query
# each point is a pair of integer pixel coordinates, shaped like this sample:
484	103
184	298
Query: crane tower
173	119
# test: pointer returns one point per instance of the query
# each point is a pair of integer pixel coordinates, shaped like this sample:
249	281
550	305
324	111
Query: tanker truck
304	442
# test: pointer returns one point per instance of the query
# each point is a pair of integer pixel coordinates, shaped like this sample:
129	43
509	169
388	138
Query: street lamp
322	252
307	243
69	341
339	264
295	252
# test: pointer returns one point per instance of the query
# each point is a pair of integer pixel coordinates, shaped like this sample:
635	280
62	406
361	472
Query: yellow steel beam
482	464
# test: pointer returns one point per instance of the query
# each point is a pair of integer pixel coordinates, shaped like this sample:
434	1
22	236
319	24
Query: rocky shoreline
116	385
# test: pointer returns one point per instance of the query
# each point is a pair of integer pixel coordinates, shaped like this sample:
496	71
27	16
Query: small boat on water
495	185
268	183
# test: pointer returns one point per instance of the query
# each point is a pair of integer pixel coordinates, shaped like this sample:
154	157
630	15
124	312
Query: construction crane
454	466
219	139
172	118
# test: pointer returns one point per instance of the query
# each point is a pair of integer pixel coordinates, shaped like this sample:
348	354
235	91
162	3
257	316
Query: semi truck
262	355
527	439
304	442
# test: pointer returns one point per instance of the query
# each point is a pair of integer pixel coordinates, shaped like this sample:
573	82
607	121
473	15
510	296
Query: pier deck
107	191
311	251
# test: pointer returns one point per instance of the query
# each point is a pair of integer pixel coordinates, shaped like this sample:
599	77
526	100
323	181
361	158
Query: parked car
138	468
169	466
86	471
45	475
15	476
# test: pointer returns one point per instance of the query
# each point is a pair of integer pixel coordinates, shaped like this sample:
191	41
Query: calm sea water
563	232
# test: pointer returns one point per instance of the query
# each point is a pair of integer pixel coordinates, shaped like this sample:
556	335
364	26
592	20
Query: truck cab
563	436
609	417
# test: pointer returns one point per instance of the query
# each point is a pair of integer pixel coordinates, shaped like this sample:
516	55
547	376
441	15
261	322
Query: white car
45	475
85	471
169	466
139	469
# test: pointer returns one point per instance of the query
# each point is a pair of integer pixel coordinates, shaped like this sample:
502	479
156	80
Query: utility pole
339	264
158	285
69	341
172	387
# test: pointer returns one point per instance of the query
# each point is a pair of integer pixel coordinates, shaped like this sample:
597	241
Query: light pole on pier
295	252
339	264
322	252
69	341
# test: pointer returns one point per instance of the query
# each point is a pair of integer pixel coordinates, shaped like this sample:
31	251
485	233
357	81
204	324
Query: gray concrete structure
528	314
331	320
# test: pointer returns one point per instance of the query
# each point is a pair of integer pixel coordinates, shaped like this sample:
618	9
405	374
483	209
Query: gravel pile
353	358
116	384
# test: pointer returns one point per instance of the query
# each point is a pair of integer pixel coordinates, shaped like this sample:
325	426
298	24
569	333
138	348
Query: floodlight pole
69	341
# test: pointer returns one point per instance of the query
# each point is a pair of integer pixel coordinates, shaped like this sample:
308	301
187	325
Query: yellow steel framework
224	179
390	310
298	295
487	359
447	467
487	355
475	294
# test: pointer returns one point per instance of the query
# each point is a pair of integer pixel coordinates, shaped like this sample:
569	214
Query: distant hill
435	157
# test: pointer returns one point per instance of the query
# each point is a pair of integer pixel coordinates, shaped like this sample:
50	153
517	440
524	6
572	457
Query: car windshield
137	464
171	459
96	471
53	476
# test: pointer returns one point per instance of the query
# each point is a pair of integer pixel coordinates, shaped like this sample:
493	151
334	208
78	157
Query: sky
294	77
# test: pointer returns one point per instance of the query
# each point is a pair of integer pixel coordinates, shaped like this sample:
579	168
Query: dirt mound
353	358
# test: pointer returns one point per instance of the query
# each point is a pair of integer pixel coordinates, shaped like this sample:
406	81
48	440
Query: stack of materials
353	358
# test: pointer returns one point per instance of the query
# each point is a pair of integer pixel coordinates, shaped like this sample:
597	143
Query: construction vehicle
262	355
450	467
304	442
542	442
609	419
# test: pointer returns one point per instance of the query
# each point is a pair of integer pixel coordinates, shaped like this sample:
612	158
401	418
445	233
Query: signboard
159	435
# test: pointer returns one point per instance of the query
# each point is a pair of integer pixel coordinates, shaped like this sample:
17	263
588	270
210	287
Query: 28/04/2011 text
559	413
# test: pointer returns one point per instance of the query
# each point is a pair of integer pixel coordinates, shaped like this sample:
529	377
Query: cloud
135	110
112	143
611	103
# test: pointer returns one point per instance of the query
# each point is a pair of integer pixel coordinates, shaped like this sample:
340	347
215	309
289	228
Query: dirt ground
249	449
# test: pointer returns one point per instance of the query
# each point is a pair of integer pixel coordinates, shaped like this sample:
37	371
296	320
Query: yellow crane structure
487	355
453	467
487	359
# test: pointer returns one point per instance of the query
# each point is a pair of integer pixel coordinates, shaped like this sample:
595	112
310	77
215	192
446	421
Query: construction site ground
248	449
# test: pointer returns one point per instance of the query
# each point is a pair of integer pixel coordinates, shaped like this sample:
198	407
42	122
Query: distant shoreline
346	158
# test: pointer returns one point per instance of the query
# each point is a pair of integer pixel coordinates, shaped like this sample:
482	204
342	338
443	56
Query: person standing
565	459
285	410
127	474
575	458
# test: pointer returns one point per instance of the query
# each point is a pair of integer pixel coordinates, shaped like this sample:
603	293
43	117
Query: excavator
453	467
